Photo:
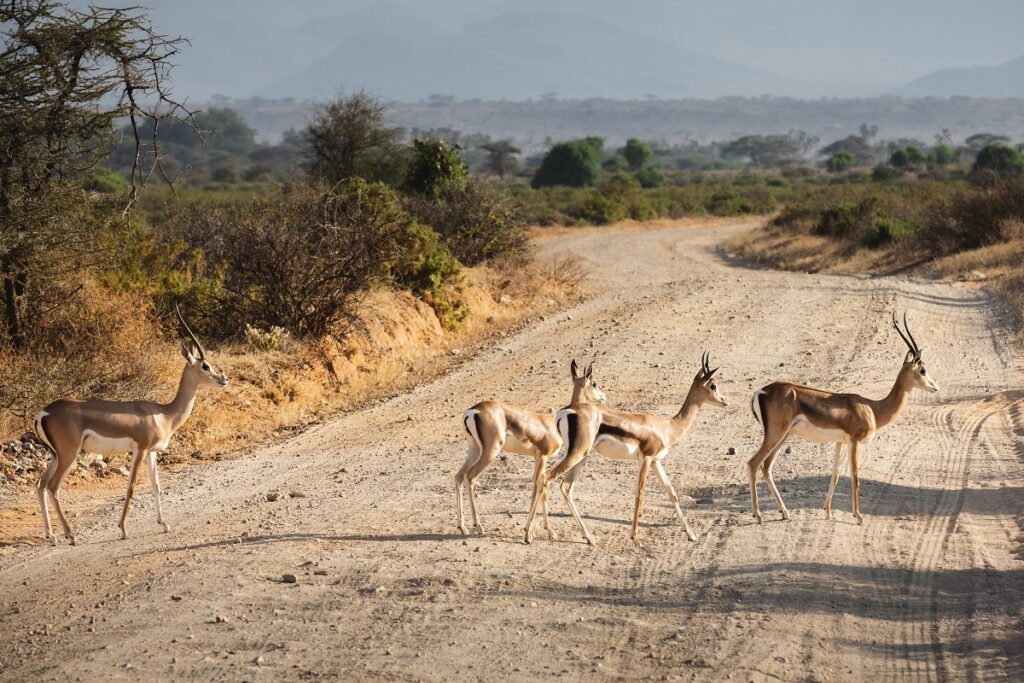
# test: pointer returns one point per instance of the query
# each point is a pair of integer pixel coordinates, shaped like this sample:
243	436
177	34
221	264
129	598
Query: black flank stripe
612	430
571	426
465	423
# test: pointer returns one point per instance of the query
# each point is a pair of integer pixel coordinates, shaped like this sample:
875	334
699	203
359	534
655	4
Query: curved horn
202	352
917	349
708	373
903	336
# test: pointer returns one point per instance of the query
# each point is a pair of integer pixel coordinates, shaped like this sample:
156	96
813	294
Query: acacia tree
501	157
67	76
769	150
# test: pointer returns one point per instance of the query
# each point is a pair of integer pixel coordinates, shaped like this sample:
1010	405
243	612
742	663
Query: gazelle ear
589	372
574	369
908	358
187	353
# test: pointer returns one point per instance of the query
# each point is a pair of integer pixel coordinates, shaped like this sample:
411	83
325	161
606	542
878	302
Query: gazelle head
201	369
913	367
704	387
584	388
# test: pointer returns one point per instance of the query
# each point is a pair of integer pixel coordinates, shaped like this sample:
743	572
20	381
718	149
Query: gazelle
142	427
626	436
848	420
492	426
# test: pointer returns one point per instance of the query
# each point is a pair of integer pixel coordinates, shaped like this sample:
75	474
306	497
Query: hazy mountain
410	48
1001	80
522	55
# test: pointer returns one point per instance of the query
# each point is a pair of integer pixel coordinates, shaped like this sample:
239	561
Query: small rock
220	619
289	578
505	299
320	572
176	598
782	365
296	494
789	449
730	451
273	495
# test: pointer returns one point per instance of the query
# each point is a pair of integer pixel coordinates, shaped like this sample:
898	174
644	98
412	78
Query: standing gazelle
819	416
492	426
624	436
142	427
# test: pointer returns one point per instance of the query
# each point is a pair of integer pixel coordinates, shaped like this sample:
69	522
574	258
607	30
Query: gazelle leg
540	464
133	472
659	468
767	447
53	485
567	485
766	468
486	456
836	470
154	479
460	479
41	490
855	480
645	466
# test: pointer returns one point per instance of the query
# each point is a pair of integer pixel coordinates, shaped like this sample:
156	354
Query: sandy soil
930	588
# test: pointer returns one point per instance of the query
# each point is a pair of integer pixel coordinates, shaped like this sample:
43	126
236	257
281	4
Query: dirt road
930	588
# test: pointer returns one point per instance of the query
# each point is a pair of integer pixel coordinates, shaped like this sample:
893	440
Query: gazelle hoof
860	520
52	540
785	514
479	530
529	538
463	530
552	535
167	527
759	518
124	535
590	540
71	540
692	536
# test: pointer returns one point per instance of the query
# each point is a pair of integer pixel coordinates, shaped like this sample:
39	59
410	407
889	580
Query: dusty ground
930	588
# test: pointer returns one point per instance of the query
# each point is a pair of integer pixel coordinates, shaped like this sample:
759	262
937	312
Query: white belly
514	445
809	432
613	448
105	445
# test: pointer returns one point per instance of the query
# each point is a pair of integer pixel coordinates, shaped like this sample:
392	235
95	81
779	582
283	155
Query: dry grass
997	267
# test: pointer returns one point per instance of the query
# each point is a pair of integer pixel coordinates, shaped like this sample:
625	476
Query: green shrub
436	168
615	164
105	181
427	268
637	153
886	230
999	158
883	173
576	163
475	222
840	161
651	176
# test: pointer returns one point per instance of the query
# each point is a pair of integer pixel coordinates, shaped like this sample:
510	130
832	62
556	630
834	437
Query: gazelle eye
922	371
206	366
714	387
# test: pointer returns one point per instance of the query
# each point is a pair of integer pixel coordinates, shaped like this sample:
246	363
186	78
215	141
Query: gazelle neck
685	417
888	409
180	408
